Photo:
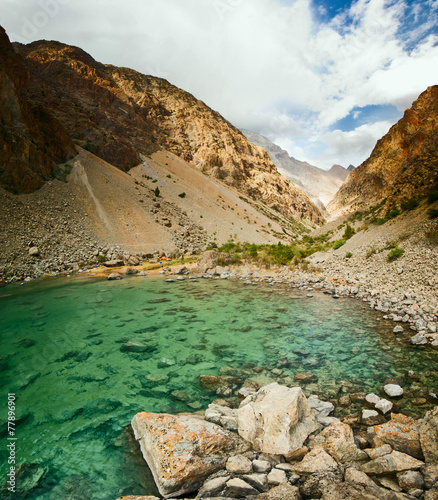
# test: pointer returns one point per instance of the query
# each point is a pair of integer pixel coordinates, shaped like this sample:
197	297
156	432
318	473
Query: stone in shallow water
393	390
183	450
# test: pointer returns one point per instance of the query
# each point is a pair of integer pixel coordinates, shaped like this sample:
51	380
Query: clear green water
76	390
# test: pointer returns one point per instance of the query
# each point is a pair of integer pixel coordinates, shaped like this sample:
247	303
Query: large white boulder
276	419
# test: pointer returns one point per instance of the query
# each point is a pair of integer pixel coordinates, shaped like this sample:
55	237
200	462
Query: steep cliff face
121	115
403	164
319	185
31	140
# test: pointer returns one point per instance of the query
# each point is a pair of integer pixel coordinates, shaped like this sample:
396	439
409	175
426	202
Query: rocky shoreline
278	445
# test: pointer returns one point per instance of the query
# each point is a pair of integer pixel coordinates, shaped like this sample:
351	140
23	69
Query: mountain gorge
319	185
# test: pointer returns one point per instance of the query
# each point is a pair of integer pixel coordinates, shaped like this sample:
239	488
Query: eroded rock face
133	115
183	450
403	163
276	419
31	139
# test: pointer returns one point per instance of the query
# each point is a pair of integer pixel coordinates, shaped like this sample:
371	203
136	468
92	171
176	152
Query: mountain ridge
121	116
402	166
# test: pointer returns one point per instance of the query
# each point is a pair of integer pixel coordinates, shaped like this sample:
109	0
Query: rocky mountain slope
319	185
31	139
403	164
122	116
102	213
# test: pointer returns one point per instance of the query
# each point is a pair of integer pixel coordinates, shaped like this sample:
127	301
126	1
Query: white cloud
264	64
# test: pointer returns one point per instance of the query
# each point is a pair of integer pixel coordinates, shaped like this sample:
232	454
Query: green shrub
338	243
432	197
410	204
432	213
395	254
157	191
349	232
348	255
182	195
371	252
395	212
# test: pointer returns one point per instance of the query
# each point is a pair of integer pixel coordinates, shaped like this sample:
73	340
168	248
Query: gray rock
261	466
282	492
318	460
315	484
239	464
257	481
384	406
321	408
276	477
418	339
230	423
34	251
353	475
429	435
394	462
393	390
239	488
276	419
430	475
410	480
398	329
380	451
212	487
114	276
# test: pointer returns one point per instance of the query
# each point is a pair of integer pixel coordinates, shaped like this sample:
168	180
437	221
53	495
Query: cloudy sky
323	79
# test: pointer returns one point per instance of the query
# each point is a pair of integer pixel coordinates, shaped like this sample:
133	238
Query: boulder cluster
277	445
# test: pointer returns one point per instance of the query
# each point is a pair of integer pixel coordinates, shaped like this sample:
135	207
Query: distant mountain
319	185
403	164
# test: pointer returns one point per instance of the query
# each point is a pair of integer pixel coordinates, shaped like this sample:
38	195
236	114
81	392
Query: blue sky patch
368	114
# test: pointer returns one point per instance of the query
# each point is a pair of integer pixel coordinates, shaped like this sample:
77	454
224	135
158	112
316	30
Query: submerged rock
276	419
183	450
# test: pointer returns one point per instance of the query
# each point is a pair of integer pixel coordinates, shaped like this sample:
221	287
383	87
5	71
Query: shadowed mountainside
31	139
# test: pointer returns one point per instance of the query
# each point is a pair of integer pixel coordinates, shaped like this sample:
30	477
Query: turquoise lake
77	388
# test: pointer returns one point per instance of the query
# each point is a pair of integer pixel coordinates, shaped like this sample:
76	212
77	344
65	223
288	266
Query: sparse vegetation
157	191
338	244
371	252
349	232
348	255
395	254
410	204
432	213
